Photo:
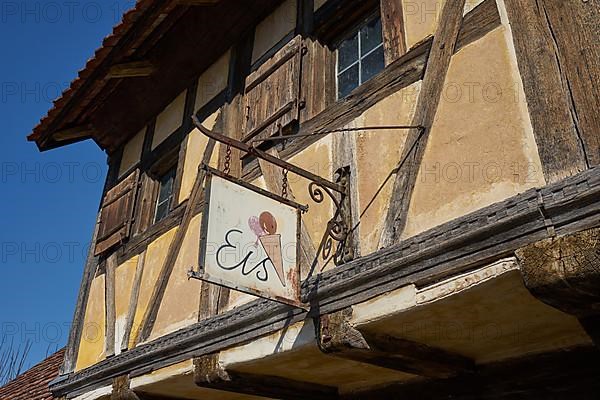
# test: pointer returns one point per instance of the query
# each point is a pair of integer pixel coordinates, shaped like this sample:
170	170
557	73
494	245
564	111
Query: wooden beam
564	272
110	306
442	49
208	373
174	247
121	390
77	132
337	337
546	86
131	70
392	21
133	301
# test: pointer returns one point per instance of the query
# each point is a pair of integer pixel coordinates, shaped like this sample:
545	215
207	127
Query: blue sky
48	200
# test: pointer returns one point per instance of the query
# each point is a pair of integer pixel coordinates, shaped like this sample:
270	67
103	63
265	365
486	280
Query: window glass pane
347	81
162	211
348	52
372	64
165	194
166	186
370	36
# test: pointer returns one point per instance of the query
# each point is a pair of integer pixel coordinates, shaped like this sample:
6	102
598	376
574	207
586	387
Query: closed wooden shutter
116	215
272	93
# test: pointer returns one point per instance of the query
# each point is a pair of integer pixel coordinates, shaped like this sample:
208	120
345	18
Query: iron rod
364	128
267	157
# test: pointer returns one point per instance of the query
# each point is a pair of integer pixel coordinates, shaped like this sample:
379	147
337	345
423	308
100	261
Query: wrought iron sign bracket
338	228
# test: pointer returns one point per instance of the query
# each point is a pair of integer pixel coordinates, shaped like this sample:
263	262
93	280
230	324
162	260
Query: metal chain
227	168
284	186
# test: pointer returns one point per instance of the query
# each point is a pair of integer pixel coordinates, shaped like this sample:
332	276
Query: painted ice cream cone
265	228
272	246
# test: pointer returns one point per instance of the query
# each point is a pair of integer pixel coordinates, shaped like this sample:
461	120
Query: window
360	57
165	195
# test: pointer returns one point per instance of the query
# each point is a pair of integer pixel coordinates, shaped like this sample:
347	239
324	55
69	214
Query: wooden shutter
116	215
272	93
318	89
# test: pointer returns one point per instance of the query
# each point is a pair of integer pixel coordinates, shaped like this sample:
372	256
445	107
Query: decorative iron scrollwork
338	228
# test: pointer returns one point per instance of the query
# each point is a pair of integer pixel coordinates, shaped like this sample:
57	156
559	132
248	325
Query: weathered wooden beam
438	63
121	390
77	132
546	86
564	272
337	337
561	375
209	373
110	305
133	301
131	70
394	38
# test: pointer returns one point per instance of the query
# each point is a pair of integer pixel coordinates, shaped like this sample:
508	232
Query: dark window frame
168	178
354	31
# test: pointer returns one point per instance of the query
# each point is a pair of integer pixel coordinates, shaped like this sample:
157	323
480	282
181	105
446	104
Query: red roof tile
127	22
33	384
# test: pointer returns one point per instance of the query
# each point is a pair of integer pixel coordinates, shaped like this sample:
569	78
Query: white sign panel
249	240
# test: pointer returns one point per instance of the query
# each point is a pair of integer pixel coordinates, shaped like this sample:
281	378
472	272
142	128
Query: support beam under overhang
131	70
337	337
564	272
210	374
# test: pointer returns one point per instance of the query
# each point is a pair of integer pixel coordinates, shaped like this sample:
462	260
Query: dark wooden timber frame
442	49
476	239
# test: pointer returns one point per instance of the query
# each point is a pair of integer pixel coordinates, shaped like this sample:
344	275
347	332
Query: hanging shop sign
250	239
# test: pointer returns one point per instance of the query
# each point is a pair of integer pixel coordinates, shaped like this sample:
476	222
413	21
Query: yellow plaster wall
196	144
213	81
481	149
420	19
155	255
169	120
179	307
377	154
317	159
91	346
124	277
132	152
274	28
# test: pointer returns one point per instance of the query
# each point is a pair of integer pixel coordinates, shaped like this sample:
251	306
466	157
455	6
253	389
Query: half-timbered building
444	156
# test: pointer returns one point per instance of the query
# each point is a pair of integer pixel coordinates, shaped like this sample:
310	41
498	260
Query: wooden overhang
157	51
